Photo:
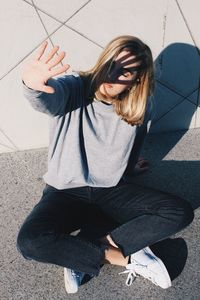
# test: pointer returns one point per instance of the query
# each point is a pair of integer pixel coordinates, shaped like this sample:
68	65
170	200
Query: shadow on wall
176	98
177	88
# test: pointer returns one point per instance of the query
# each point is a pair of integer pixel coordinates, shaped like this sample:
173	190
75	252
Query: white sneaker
146	264
72	280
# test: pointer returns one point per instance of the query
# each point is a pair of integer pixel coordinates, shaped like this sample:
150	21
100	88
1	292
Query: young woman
99	120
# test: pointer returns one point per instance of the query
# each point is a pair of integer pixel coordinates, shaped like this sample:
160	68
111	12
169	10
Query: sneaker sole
163	268
69	286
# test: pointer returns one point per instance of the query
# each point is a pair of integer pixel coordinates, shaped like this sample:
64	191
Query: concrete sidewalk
175	167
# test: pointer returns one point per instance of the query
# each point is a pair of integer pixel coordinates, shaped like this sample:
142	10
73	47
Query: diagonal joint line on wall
87	38
77	11
14	147
49	36
182	100
44	12
62	23
198	103
186	23
177	93
37	12
53	17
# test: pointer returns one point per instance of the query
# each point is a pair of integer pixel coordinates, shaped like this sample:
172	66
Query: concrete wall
82	28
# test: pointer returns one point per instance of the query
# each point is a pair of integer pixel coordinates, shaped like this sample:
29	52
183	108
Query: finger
122	58
59	70
49	90
143	163
56	60
49	56
127	60
41	50
130	62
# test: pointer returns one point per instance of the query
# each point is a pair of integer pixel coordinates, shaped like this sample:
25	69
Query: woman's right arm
45	93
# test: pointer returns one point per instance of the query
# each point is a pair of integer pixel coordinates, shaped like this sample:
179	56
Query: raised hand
39	69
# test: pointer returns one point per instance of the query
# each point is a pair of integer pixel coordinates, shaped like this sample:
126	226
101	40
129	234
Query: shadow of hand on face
127	67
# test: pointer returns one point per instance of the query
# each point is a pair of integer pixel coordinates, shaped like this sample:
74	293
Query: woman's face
121	76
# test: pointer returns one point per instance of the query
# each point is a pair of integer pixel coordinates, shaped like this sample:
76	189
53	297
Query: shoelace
132	273
131	276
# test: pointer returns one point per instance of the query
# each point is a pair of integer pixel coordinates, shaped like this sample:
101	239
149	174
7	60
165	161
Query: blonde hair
131	103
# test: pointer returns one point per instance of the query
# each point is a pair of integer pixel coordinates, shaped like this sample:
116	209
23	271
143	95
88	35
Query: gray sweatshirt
90	145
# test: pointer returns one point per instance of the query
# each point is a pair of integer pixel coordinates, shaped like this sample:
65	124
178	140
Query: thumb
47	89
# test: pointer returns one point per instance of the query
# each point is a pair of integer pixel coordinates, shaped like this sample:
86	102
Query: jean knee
24	243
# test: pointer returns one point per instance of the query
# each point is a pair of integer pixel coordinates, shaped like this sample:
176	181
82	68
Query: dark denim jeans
134	216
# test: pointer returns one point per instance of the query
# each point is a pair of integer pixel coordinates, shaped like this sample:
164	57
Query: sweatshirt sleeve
58	103
141	133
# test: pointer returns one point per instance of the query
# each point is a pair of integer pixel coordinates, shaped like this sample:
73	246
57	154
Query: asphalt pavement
174	167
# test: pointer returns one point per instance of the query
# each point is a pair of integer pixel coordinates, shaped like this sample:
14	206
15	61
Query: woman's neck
99	96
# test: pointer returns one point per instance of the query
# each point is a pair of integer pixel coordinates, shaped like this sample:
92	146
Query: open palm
36	73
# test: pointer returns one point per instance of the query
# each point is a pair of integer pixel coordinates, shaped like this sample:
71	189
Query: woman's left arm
141	133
